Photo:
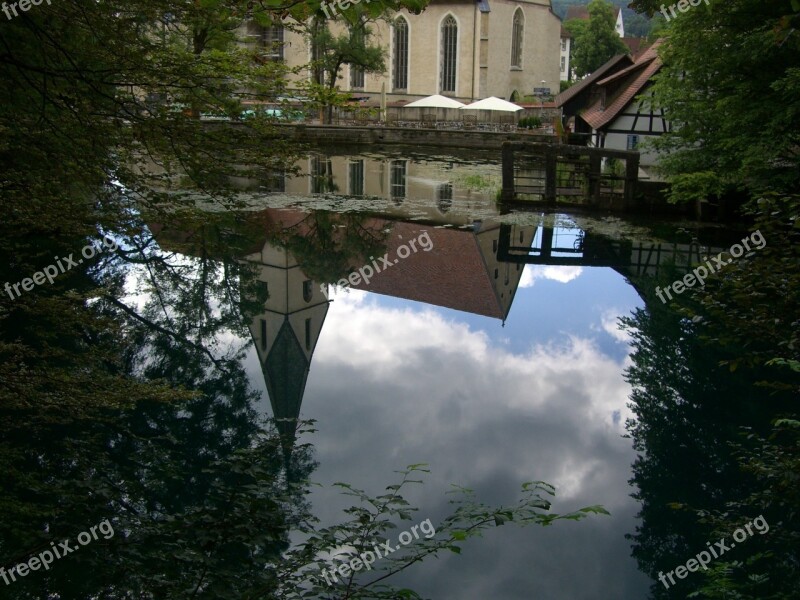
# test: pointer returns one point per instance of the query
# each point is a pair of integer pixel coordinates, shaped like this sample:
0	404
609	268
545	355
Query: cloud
555	273
442	370
394	383
609	322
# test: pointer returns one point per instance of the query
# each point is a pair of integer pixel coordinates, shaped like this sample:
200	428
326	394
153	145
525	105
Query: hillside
636	25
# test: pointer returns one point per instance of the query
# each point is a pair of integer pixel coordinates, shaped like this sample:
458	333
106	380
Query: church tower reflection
285	333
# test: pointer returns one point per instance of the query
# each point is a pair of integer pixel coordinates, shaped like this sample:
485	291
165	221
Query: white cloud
609	322
448	383
555	273
395	383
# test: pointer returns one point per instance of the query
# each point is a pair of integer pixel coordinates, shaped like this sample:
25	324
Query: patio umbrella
492	103
435	101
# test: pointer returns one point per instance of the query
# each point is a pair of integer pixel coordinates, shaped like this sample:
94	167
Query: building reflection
475	269
394	179
461	271
286	330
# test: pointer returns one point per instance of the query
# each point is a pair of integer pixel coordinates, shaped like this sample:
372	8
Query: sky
396	382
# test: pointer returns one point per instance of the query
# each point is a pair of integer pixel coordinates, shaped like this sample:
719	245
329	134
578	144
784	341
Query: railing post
631	179
509	186
550	171
595	168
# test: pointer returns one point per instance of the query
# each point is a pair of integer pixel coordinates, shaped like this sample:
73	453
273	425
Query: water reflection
414	366
392	176
475	270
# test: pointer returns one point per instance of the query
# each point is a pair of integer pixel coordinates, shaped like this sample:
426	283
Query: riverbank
435	138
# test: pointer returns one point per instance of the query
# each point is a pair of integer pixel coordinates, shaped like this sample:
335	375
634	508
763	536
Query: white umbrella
435	101
492	103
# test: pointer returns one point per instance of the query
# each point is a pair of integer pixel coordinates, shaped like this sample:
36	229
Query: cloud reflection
395	383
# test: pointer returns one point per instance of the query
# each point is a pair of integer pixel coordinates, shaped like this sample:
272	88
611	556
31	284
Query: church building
463	49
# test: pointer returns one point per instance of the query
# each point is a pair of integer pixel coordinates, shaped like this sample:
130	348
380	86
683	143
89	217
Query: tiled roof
453	274
640	73
584	83
636	45
644	59
565	32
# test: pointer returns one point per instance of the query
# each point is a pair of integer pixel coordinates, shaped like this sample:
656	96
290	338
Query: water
486	344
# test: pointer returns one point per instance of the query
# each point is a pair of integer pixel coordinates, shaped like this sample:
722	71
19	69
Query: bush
530	123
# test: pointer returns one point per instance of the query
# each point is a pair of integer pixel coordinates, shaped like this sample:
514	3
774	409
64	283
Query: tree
330	52
730	86
595	40
732	400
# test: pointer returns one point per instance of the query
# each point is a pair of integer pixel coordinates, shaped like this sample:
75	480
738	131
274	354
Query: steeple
285	334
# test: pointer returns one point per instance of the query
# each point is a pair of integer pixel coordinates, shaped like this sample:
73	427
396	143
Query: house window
449	56
273	41
308	290
397	185
356	77
633	142
516	39
357	177
400	71
563	44
308	334
321	175
563	63
274	181
317	52
356	71
444	197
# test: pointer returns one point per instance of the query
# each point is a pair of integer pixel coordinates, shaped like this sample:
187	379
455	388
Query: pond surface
488	346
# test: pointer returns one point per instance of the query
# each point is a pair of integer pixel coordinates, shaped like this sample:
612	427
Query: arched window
449	55
400	66
517	31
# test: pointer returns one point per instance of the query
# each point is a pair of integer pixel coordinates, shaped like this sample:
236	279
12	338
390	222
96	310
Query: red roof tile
647	66
637	46
452	275
581	85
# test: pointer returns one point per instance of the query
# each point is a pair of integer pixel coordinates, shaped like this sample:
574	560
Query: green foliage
331	245
734	396
693	187
731	88
595	41
529	123
374	519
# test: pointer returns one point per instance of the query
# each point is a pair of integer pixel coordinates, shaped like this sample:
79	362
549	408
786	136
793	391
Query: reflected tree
715	378
331	245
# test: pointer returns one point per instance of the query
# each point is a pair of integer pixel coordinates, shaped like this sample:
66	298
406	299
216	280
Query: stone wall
333	134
